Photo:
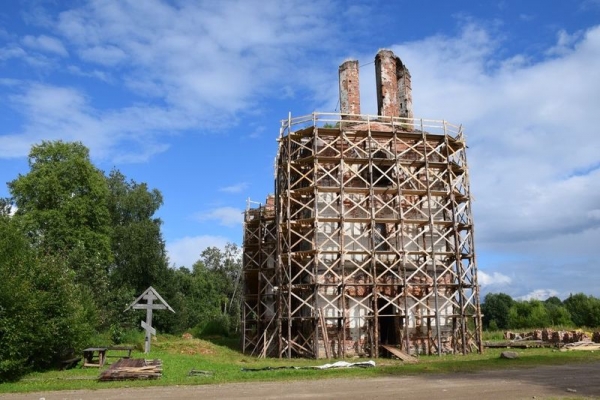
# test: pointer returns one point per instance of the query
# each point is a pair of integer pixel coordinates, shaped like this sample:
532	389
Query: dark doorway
388	324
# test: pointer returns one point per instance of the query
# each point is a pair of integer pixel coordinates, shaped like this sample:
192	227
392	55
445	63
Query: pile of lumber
519	344
132	368
586	346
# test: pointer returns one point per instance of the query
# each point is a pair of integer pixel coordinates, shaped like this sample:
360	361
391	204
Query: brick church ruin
368	239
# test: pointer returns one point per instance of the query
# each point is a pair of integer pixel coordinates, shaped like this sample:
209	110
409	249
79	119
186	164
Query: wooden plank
124	351
400	354
325	334
147	306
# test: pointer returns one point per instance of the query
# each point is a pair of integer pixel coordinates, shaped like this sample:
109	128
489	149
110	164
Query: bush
493	325
42	312
216	326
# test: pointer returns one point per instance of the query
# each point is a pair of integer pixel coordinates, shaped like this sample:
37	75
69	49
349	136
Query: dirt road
573	381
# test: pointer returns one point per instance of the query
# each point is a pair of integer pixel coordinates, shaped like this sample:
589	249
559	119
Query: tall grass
493	335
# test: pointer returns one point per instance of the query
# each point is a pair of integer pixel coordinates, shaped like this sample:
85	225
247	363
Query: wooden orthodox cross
149	295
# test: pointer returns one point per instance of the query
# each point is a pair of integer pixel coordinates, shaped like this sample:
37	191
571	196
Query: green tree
42	311
227	266
584	310
558	313
199	292
528	314
495	310
554	301
207	298
62	206
559	316
138	247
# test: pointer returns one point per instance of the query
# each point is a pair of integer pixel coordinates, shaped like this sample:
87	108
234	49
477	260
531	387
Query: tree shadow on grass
231	342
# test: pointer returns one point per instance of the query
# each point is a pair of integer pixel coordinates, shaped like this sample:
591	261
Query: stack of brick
552	336
568	337
556	337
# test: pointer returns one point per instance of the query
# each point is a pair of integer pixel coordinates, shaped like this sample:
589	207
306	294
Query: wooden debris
198	372
400	354
585	346
518	344
132	368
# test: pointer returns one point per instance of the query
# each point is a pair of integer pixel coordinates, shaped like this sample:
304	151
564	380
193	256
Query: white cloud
185	50
587	5
14	51
594	214
183	65
530	129
494	279
9	52
101	75
539	294
237	188
184	252
564	42
55	112
226	216
104	55
45	43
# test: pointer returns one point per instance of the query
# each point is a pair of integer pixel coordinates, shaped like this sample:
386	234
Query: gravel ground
570	381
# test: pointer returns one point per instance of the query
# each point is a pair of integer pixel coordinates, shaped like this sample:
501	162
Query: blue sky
188	97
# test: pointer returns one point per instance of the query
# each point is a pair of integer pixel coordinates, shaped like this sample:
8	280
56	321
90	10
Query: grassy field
180	356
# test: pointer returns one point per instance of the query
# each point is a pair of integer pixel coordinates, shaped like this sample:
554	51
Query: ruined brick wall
394	89
387	83
404	91
349	88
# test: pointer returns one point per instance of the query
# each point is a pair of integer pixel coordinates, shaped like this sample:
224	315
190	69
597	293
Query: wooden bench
123	351
94	356
68	359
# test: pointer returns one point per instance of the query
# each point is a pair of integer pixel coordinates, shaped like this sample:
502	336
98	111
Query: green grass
180	356
493	335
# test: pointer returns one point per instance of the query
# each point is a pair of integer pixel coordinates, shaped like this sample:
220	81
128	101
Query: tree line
77	246
500	311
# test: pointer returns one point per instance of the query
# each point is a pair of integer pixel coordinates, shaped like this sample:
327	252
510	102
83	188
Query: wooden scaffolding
368	241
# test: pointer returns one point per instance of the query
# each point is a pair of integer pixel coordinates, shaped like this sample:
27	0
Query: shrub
42	312
216	326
